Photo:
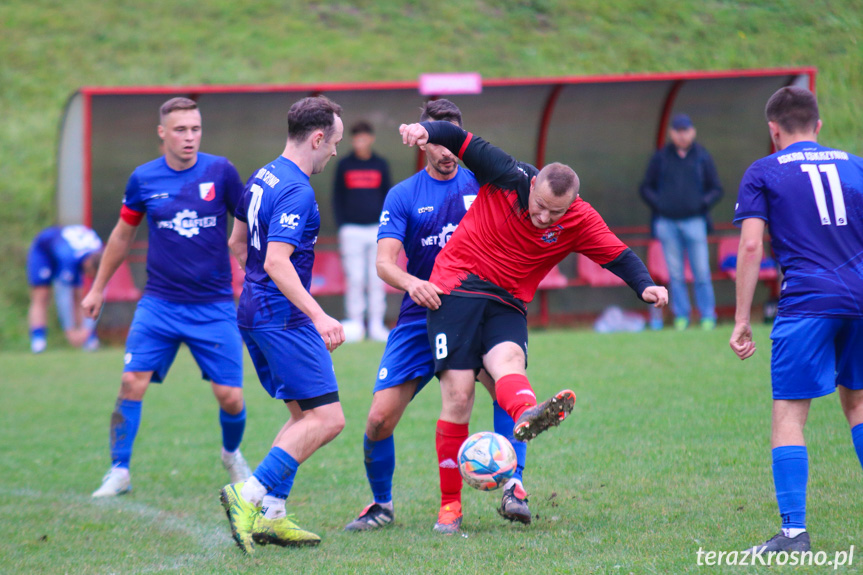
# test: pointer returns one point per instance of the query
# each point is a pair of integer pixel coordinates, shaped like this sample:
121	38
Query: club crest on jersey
207	191
550	236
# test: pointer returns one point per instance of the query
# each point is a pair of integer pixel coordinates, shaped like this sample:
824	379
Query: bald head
559	179
552	192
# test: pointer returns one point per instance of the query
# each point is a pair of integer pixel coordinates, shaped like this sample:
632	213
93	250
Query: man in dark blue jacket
680	186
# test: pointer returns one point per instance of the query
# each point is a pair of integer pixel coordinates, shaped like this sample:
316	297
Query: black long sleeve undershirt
629	267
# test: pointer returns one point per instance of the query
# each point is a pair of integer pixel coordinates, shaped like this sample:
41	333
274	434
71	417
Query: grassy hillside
50	48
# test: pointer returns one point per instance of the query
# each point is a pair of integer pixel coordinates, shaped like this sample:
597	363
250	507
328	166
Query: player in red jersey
523	222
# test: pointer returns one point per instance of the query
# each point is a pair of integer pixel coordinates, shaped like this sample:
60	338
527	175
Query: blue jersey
279	206
58	254
812	199
187	217
422	213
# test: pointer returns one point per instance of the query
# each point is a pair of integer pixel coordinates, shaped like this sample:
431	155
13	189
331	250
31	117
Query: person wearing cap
361	184
681	186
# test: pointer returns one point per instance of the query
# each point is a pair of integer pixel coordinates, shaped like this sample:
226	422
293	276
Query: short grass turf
667	452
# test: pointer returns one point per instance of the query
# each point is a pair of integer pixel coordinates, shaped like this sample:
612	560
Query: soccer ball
486	460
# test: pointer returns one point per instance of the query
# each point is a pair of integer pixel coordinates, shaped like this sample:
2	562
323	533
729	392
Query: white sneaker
236	466
116	482
38	344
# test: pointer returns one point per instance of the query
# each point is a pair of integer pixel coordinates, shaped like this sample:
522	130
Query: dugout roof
605	127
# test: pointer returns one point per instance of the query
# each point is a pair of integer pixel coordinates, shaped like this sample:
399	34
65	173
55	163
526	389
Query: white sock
511	482
273	507
253	491
792	532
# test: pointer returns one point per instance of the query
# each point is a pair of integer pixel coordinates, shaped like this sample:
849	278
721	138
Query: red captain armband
464	145
130	216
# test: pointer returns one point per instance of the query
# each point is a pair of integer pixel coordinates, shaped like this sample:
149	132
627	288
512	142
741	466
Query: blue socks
503	425
276	472
232	428
124	428
857	437
380	461
790	473
41	332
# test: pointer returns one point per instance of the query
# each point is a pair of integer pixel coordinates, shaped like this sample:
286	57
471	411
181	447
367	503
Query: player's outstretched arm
281	270
116	250
748	265
422	292
657	295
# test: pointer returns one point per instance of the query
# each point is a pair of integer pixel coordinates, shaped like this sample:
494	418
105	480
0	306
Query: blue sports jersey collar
292	166
168	167
437	182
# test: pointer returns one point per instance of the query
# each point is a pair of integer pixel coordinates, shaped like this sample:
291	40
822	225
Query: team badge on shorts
207	191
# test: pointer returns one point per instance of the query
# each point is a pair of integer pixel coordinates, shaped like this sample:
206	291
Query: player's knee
335	423
230	398
380	424
133	385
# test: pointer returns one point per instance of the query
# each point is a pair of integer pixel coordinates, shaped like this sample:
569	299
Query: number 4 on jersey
835	192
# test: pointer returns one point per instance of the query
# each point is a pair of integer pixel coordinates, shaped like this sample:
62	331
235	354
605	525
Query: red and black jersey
496	243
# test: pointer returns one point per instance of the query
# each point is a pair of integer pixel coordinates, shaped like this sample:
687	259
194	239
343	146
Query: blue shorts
209	329
40	266
811	356
407	356
292	364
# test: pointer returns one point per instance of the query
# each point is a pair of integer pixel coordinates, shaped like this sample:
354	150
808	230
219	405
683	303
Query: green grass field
667	452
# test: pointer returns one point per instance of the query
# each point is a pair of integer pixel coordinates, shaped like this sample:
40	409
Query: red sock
448	440
514	394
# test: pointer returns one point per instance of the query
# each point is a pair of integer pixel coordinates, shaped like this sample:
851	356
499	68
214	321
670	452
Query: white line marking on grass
210	540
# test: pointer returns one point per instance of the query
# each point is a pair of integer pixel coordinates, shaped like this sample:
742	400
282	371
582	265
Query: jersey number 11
835	192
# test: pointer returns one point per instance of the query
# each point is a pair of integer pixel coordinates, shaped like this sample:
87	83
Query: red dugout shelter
605	127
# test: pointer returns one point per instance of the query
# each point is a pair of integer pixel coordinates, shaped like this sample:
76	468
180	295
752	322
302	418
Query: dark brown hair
441	110
795	109
310	114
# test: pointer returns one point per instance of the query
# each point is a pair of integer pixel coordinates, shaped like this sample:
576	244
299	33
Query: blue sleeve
132	199
233	187
751	200
291	212
394	216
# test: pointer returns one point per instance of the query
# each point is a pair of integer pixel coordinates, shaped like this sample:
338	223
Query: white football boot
116	482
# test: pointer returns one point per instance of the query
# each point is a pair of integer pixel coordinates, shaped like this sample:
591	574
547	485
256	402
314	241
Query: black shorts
463	329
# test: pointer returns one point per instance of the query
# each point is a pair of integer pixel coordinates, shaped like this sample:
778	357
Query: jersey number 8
441	350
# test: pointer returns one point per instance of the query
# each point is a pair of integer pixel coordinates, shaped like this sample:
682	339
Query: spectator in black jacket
362	183
680	186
